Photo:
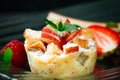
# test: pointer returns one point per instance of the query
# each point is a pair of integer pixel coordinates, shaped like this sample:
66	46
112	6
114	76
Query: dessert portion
61	49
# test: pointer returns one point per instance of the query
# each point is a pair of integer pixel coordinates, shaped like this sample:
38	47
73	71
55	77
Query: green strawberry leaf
1	57
5	67
7	56
112	24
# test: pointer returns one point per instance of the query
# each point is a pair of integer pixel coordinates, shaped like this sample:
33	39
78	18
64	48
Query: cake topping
61	28
70	48
59	35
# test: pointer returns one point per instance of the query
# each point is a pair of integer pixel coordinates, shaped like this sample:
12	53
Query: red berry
49	35
48	30
70	36
19	54
106	39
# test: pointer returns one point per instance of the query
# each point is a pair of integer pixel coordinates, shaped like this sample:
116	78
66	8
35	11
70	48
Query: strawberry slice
48	30
51	37
106	39
71	35
67	21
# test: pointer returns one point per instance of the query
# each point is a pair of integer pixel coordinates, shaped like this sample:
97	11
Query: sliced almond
38	45
87	33
32	36
53	49
70	48
82	42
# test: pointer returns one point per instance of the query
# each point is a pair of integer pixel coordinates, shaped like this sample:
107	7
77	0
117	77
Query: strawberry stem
112	24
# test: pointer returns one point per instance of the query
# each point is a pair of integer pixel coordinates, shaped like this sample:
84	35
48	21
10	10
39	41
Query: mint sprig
62	27
69	27
53	25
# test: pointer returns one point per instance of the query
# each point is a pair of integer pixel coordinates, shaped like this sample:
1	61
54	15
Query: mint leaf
69	27
1	57
60	25
51	23
7	55
112	24
60	28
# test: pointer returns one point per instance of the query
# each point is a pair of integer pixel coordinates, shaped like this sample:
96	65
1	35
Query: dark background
17	15
37	5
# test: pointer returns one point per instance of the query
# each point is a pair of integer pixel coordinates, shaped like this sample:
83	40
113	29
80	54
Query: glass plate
102	71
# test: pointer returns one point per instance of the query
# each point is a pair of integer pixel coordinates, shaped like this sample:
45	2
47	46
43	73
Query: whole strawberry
19	55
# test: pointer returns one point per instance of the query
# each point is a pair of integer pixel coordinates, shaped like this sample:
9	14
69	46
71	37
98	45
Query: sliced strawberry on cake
49	30
48	38
59	33
71	35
